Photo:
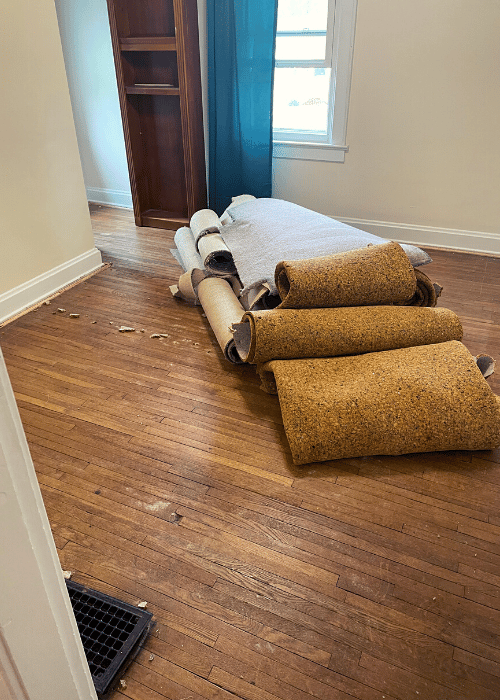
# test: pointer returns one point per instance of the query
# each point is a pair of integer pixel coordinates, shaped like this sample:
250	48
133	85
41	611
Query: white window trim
342	52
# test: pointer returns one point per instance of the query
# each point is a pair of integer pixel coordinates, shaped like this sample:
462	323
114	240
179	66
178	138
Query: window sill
309	151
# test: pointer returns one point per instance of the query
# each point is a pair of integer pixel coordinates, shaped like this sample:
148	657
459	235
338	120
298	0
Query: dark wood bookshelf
150	90
156	52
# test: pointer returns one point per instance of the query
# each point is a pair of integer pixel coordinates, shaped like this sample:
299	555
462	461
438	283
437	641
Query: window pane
300	48
301	99
296	15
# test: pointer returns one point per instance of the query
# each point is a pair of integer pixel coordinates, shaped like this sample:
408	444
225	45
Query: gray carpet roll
265	231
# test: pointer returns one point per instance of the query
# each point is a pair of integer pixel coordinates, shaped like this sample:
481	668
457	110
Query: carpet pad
264	231
298	333
376	274
419	399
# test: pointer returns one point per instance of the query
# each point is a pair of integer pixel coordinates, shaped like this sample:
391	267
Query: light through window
302	73
314	42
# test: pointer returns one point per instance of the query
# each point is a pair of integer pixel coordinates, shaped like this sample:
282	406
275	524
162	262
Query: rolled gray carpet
265	231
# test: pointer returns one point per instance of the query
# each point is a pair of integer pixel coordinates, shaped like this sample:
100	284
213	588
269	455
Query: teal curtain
241	41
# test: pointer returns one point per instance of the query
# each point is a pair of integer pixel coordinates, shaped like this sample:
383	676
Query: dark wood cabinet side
156	52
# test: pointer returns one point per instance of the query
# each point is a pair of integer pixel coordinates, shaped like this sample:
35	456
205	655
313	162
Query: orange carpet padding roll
295	333
380	274
418	399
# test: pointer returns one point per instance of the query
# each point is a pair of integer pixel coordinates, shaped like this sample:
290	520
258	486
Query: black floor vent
112	633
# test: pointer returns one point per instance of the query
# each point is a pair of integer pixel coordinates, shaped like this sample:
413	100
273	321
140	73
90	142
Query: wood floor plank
167	478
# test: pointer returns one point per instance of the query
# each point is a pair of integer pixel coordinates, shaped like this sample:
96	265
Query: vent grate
112	632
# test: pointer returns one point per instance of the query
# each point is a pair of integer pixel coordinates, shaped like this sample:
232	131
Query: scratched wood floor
167	478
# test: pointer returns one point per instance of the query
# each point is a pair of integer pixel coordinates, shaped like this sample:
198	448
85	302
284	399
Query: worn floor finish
167	478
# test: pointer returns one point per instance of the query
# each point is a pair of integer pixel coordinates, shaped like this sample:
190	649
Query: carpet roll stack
217	294
362	361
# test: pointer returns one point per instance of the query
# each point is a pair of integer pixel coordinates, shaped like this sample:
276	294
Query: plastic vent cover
112	632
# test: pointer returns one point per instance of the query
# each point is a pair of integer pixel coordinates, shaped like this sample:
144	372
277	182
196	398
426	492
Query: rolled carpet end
222	309
421	399
188	285
486	364
186	249
203	222
216	256
376	274
302	333
426	292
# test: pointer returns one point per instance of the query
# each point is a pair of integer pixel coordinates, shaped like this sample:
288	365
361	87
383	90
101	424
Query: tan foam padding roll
296	333
378	274
222	309
420	399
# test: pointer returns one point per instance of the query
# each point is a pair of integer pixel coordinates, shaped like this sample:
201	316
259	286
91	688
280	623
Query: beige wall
424	129
44	216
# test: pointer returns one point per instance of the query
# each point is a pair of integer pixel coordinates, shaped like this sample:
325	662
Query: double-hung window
314	44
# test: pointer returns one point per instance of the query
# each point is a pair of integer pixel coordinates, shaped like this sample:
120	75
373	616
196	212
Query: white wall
424	158
46	236
423	130
88	56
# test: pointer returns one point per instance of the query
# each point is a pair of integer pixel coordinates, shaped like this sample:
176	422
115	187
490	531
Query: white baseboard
454	239
39	288
114	198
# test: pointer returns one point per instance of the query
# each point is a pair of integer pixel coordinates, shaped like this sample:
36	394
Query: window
314	43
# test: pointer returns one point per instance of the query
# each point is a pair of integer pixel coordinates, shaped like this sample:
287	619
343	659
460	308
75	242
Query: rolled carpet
186	250
216	256
295	333
188	284
426	294
376	274
420	399
264	231
204	221
222	309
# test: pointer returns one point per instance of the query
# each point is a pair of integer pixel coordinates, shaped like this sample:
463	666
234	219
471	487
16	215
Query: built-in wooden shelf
156	52
157	218
148	43
151	90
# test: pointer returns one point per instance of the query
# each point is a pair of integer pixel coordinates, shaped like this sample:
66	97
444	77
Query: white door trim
42	656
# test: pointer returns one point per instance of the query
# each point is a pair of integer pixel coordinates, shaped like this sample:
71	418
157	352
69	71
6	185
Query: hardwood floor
167	479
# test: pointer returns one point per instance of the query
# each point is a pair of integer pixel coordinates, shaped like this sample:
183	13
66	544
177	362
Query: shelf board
151	90
148	43
158	218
